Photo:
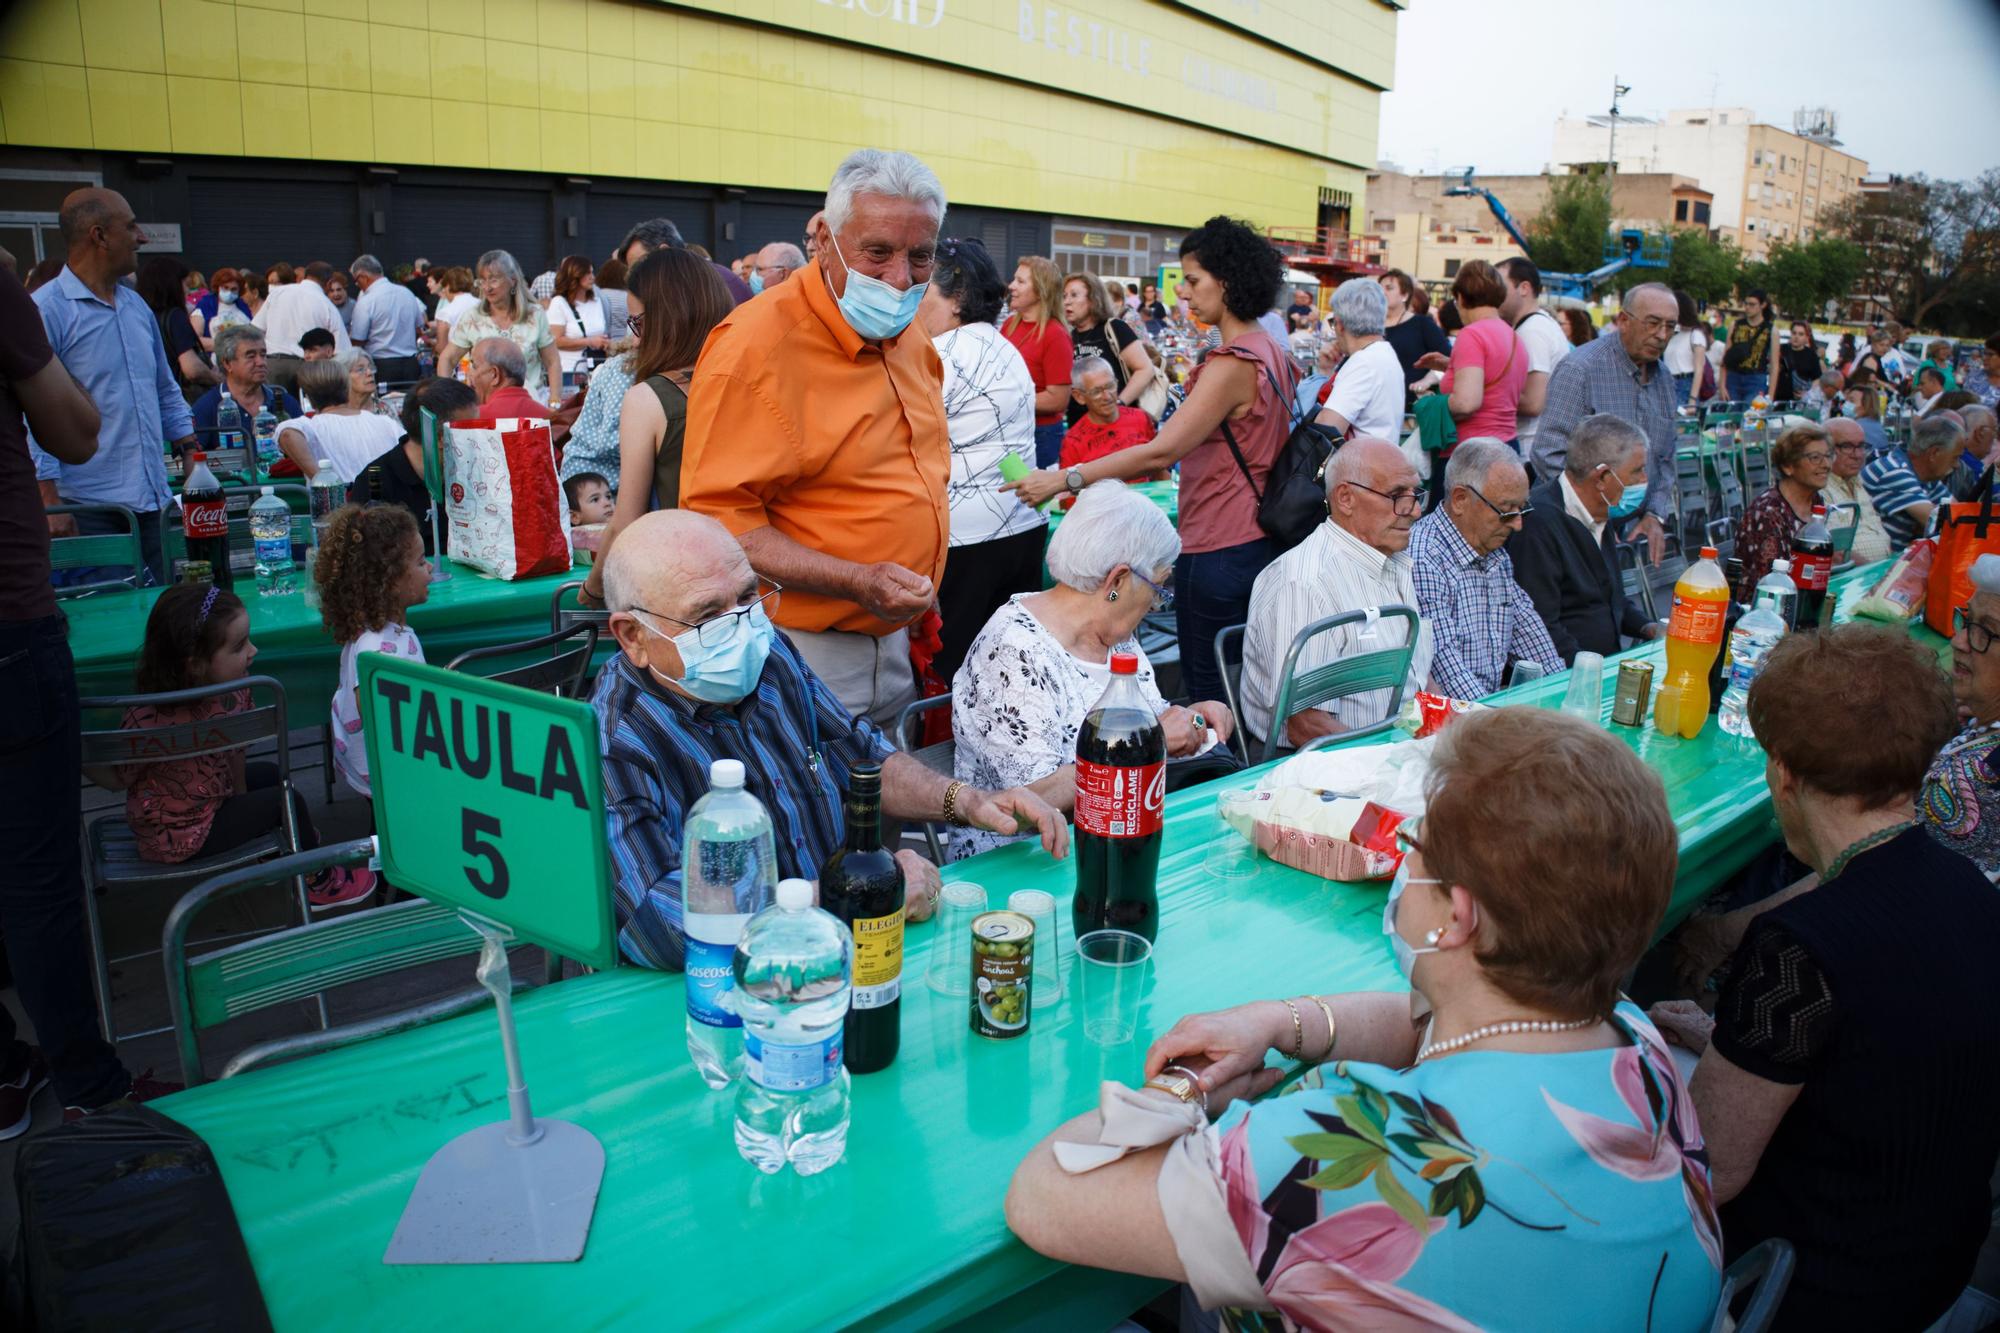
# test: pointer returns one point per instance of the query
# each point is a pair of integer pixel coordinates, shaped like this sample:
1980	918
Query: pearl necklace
1501	1029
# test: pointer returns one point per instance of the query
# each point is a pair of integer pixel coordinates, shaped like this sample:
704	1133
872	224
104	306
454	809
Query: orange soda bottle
1694	638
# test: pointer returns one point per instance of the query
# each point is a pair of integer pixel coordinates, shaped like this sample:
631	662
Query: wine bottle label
1117	802
1696	621
779	1068
710	963
1810	571
878	960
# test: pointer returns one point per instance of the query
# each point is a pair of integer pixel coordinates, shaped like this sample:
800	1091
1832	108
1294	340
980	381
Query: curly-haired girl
370	571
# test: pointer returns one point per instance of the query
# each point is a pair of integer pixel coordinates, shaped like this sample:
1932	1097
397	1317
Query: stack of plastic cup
950	970
1586	688
1039	906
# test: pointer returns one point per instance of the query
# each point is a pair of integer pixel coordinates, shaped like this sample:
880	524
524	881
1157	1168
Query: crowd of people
825	474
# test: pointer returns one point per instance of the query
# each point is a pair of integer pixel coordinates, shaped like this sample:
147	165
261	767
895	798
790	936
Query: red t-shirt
1089	439
1049	357
513	401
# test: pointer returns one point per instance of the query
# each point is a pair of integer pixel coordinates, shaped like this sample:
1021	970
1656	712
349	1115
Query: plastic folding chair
1229	657
1386	668
561	673
112	860
939	757
564	613
110	550
1764	1272
303	963
1637	577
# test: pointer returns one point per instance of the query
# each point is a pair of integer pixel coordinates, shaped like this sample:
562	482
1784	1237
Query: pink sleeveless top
1218	509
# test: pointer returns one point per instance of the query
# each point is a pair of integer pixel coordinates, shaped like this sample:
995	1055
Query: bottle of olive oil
862	885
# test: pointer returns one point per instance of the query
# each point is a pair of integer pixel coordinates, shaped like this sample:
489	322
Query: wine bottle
862	885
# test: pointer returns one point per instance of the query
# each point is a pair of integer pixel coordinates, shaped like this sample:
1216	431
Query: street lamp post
1618	90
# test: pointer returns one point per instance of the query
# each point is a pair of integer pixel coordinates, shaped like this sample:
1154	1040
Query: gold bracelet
1298	1032
951	792
1330	1025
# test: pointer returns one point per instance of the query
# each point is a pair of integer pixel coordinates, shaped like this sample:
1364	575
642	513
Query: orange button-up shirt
797	423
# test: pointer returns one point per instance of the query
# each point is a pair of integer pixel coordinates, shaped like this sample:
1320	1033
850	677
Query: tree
1703	267
1567	236
1923	242
1802	276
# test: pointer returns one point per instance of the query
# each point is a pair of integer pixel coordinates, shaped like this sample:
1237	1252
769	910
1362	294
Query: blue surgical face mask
228	296
874	309
1406	952
756	282
724	672
1628	501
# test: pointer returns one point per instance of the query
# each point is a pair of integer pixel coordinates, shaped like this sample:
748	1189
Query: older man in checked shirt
1479	616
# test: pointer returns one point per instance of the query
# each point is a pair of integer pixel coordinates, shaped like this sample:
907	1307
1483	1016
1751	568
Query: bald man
499	369
701	675
1358	559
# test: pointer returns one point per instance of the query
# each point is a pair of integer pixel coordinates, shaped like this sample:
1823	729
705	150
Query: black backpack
1293	501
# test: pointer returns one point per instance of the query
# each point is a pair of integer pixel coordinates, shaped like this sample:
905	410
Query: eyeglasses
1852	447
636	321
1409	835
1163	595
718	630
1405	504
1654	323
1506	515
1977	637
1815	458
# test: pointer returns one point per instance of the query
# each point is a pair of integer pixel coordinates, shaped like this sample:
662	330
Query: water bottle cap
1124	664
267	490
726	773
794	895
1781	566
326	465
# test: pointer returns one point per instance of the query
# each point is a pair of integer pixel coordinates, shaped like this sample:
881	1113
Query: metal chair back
1386	668
1722	536
1730	489
1691	497
561	673
563	617
1756	468
99	551
1843	521
939	756
1229	657
303	962
1765	1271
1637	577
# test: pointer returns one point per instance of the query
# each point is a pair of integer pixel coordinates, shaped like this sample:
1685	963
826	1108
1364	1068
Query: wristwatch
1074	480
1177	1085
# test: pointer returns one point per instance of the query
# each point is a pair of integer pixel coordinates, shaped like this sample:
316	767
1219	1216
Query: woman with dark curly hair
370	571
1226	436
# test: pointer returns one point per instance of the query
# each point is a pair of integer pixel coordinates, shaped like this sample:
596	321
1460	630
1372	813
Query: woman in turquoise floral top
1507	1145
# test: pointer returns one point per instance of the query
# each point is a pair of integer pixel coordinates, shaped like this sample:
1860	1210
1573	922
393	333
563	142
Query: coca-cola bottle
1812	563
1121	787
205	519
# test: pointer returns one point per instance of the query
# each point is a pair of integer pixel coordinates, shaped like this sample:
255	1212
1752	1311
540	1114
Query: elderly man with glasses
700	675
1909	481
1480	618
1356	560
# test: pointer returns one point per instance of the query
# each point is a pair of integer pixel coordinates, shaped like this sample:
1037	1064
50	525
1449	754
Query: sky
1916	86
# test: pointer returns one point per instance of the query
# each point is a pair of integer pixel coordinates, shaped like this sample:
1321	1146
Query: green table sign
488	798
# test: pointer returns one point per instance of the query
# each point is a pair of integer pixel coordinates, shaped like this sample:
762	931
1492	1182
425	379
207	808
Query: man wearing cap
816	434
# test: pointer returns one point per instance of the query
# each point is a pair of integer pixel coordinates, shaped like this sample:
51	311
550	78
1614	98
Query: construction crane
1627	248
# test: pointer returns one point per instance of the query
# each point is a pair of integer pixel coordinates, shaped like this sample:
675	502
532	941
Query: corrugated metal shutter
1007	236
764	223
259	221
612	213
453	224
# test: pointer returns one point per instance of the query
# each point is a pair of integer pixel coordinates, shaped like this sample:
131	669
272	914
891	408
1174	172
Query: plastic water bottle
1749	644
266	429
327	495
794	968
271	531
1779	584
729	870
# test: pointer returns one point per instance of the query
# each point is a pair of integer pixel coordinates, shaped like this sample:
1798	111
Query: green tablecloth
467	611
320	1155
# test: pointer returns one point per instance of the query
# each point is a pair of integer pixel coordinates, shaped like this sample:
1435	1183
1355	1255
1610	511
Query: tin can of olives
1003	973
1635	684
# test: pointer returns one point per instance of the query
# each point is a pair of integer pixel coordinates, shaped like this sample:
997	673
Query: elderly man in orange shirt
816	434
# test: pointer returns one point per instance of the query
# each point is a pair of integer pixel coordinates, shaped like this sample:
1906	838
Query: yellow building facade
1132	110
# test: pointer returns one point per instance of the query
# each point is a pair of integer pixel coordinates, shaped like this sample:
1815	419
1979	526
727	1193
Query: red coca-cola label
1810	572
205	518
1115	802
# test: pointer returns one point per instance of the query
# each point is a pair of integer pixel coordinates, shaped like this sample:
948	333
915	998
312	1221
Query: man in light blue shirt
388	320
106	337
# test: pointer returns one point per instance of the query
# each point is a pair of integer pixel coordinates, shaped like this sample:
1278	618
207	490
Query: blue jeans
1683	386
1211	593
1048	443
1742	387
41	892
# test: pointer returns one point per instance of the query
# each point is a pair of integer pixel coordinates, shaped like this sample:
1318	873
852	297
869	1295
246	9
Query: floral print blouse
1960	800
172	805
1018	701
1769	524
1485	1189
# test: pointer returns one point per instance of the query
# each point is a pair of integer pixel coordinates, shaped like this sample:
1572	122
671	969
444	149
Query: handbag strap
1229	438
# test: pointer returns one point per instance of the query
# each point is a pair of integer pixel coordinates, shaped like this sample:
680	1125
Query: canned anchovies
1003	971
1635	683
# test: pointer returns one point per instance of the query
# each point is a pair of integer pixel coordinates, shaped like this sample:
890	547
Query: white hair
1361	306
1937	431
1090	365
353	357
874	171
1976	416
1601	440
1474	459
1110	525
368	264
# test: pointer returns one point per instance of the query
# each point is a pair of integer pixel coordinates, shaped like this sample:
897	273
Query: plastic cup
1012	468
1112	966
1585	698
1039	906
1231	855
950	970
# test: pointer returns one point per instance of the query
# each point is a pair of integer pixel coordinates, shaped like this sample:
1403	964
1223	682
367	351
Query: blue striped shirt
657	748
1895	489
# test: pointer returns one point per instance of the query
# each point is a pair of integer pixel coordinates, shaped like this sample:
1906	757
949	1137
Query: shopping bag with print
506	509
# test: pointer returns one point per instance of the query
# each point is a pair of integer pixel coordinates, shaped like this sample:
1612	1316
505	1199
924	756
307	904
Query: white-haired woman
361	385
1045	657
504	311
1367	397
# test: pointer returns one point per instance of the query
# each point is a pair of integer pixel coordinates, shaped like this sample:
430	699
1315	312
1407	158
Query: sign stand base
518	1191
